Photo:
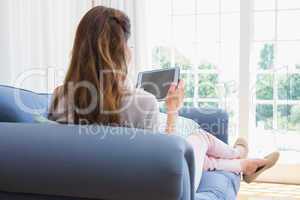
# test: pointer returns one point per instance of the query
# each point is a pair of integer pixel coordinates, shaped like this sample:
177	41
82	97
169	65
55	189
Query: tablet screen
158	82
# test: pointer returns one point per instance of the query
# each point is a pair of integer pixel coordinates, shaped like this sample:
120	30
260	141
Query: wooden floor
264	191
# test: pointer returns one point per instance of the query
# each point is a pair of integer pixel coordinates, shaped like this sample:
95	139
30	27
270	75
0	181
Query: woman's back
139	109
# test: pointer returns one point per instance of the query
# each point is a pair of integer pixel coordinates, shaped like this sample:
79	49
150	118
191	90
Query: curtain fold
37	37
39	40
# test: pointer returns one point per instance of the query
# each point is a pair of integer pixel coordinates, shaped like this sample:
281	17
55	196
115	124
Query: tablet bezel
176	77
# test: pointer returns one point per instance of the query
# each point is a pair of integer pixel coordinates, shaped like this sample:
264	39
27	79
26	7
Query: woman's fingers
174	85
177	90
181	84
175	96
172	88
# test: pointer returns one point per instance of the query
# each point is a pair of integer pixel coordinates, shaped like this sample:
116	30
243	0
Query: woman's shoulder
141	98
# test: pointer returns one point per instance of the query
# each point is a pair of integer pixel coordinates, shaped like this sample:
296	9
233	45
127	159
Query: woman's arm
174	102
171	121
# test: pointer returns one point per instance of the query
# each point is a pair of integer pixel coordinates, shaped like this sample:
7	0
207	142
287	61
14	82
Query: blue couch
64	162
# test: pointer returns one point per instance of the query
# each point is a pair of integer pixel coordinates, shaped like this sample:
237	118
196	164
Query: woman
96	91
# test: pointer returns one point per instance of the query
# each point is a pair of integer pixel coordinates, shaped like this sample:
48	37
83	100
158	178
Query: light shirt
139	109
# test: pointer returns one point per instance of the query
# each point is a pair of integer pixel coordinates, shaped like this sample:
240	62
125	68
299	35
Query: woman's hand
174	102
175	97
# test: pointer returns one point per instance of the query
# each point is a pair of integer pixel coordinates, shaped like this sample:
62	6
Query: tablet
157	82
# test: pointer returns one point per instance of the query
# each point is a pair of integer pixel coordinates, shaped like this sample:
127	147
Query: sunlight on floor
265	191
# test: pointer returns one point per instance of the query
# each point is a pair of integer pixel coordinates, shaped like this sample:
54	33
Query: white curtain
37	35
38	39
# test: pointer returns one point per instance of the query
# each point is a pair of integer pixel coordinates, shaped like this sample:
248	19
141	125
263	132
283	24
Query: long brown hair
99	58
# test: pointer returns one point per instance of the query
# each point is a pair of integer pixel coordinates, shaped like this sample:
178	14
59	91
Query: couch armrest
214	121
75	161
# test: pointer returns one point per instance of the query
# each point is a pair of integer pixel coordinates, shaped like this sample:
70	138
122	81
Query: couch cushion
214	121
19	105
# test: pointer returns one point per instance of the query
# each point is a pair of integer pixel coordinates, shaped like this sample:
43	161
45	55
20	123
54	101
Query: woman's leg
233	165
218	149
213	154
205	144
201	144
200	149
247	166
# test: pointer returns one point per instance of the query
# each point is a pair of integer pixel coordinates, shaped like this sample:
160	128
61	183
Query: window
202	38
276	71
240	56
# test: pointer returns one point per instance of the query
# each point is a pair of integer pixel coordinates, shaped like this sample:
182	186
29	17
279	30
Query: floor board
266	191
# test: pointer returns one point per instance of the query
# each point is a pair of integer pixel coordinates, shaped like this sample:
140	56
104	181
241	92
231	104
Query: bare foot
250	166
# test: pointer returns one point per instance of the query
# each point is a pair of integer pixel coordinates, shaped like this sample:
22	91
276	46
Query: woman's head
99	58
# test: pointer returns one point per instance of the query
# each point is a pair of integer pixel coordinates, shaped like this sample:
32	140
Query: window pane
294	122
208	28
160	23
188	104
264	26
288	54
264	55
283	114
207	6
283	87
184	7
287	29
264	87
229	62
289	87
207	66
208	105
264	4
288	4
184	55
189	84
295	86
184	29
162	107
264	116
161	57
208	55
288	117
160	7
208	85
229	56
230	5
230	28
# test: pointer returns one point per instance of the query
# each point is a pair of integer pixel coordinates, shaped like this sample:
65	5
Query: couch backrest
18	105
